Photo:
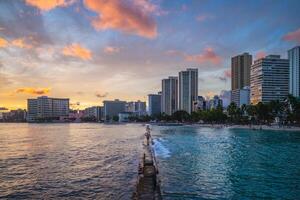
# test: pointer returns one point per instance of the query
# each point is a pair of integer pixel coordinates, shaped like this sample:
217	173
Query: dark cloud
3	108
99	95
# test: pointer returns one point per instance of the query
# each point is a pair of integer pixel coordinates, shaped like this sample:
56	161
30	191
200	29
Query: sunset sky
91	50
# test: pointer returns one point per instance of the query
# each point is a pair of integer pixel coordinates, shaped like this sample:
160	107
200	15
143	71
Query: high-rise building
47	108
200	104
269	79
137	108
169	95
294	71
154	102
215	102
94	111
241	96
113	108
240	71
188	89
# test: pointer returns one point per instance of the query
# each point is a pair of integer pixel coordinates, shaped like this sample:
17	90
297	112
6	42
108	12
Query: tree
115	118
232	111
181	116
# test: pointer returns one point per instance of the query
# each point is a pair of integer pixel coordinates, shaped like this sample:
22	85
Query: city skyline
125	56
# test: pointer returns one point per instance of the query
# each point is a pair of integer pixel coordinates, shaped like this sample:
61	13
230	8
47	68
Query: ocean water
69	161
206	163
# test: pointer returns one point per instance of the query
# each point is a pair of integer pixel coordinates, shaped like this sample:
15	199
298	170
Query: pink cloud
204	17
111	50
76	50
132	16
292	36
209	55
260	54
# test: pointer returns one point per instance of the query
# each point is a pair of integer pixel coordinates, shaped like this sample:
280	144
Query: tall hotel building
294	71
154	101
269	79
47	108
240	75
240	71
188	90
169	96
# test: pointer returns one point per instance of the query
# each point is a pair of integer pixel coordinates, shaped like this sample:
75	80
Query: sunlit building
294	71
169	95
269	79
240	71
187	89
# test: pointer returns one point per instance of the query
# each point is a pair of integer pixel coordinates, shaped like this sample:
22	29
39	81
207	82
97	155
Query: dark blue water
205	163
69	161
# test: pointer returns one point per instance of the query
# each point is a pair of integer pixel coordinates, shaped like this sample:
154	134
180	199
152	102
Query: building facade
241	96
187	90
200	104
113	108
269	79
47	108
240	71
154	102
169	95
294	71
94	112
137	108
215	102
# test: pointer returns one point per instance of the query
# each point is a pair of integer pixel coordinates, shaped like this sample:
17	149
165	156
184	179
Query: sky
95	50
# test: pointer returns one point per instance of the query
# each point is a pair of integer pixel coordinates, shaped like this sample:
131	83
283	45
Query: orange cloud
46	5
260	54
75	50
293	36
3	42
35	91
20	42
208	55
132	17
111	50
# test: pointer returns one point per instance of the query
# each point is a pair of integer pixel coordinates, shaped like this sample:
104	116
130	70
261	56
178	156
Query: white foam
160	149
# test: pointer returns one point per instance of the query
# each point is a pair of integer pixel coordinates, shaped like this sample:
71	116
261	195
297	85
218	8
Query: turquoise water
206	163
69	161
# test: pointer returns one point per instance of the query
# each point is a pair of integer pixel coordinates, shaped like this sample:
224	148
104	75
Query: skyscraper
240	71
241	96
294	71
188	89
169	95
154	101
269	79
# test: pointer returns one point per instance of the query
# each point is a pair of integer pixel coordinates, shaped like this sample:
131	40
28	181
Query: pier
148	187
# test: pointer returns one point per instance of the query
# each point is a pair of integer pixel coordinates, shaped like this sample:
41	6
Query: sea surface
69	161
207	163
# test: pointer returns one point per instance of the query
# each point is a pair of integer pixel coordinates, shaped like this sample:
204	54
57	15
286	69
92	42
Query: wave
160	150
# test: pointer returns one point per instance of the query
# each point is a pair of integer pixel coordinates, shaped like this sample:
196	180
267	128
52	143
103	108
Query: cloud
3	108
260	54
293	36
20	42
35	91
111	50
201	18
75	50
225	75
129	16
3	43
46	5
99	95
209	55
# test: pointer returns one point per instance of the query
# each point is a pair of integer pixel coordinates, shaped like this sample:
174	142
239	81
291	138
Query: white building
94	111
294	71
269	79
169	95
124	116
241	96
188	89
138	108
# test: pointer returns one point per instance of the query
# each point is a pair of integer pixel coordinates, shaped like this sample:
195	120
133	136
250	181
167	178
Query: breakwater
148	186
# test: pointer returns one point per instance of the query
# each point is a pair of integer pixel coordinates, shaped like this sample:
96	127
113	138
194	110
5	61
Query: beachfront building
46	108
137	108
113	108
188	89
215	102
241	96
169	95
200	104
240	71
154	102
93	112
294	71
269	79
